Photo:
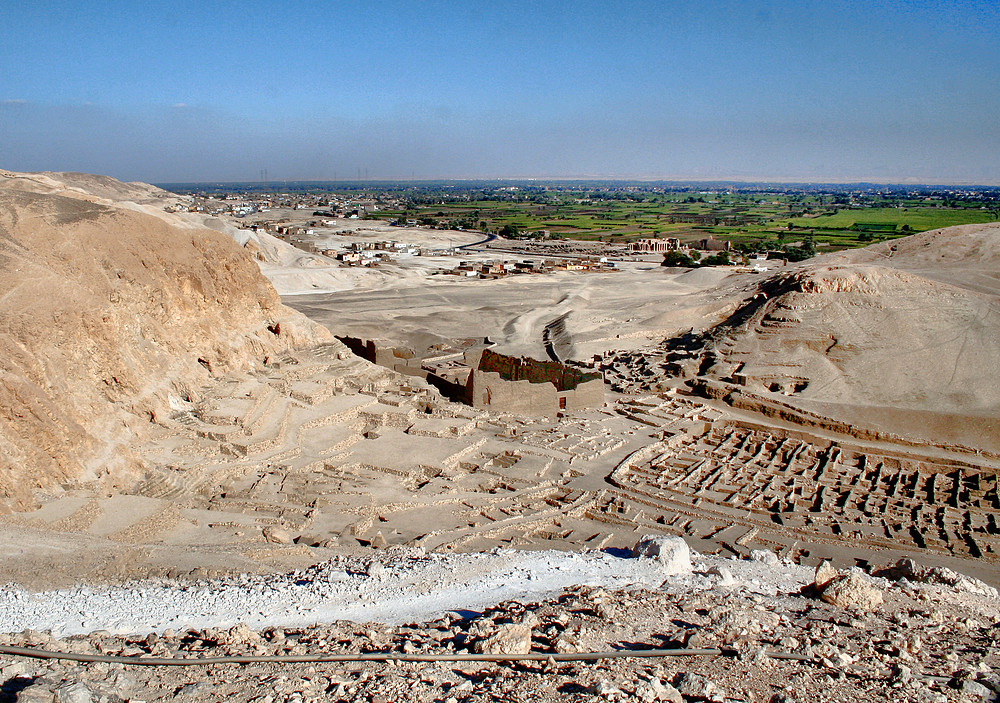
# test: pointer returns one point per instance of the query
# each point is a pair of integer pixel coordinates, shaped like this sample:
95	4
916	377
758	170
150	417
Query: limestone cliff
110	310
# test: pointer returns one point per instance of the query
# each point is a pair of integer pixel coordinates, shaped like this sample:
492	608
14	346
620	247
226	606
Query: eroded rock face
110	313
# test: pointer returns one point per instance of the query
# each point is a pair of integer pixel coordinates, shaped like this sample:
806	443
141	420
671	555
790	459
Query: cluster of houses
242	205
499	269
370	253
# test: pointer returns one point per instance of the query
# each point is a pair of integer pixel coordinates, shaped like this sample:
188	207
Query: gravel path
394	588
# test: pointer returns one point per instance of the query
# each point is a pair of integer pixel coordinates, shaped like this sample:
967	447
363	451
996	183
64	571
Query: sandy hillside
909	327
86	186
108	314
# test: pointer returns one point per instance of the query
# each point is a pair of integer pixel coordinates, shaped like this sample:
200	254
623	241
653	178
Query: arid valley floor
167	419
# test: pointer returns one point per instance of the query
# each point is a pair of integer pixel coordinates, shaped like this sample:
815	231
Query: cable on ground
383	657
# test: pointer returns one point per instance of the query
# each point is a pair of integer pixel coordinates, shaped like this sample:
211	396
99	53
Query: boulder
510	638
606	689
242	634
73	693
664	691
311	540
764	556
673	553
824	574
35	694
976	689
853	591
725	576
697	686
277	535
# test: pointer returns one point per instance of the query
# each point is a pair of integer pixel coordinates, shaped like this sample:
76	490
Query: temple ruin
489	380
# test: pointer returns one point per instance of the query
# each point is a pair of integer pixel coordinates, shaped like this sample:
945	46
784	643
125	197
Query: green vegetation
720	259
678	258
794	219
917	219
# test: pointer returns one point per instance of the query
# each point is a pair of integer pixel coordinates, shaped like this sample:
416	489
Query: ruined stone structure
398	359
713	244
655	245
733	481
530	387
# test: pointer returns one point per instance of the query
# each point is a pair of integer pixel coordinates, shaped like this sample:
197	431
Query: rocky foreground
904	634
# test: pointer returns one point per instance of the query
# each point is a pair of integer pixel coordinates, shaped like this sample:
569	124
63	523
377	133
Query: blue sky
809	90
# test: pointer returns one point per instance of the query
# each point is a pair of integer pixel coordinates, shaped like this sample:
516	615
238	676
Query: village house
713	244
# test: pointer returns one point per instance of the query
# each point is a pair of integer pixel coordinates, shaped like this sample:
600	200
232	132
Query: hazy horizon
557	180
565	180
781	92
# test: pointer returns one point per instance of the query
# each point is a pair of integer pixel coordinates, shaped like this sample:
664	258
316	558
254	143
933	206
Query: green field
749	220
752	216
919	219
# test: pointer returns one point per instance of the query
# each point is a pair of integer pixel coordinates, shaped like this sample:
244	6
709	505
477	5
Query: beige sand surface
633	307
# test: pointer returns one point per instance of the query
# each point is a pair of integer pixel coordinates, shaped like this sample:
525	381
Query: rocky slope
902	336
872	335
110	311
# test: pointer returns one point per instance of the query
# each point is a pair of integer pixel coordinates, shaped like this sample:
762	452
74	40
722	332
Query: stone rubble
926	642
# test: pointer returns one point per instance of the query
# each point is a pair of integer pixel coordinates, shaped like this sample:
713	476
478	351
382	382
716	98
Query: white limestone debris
892	653
672	553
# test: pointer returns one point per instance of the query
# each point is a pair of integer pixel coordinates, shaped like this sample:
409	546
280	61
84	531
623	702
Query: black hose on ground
383	657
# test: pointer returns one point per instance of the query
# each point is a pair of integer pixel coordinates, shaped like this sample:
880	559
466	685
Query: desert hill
85	186
110	311
290	269
965	256
905	334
